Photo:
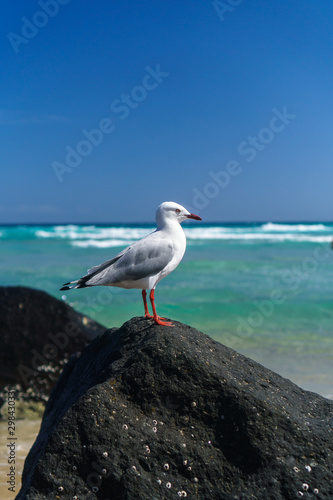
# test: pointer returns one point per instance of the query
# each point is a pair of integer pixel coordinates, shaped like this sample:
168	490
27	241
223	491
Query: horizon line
272	221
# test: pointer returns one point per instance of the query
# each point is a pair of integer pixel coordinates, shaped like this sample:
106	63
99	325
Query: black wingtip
65	288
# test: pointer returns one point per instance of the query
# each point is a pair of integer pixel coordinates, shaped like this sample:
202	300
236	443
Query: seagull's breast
177	240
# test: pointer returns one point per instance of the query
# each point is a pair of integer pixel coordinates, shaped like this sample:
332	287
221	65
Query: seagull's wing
144	258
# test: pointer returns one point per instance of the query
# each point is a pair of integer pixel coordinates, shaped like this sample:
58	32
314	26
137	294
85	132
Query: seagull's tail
94	271
81	283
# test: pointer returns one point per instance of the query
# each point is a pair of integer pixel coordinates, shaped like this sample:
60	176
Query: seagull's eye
177	211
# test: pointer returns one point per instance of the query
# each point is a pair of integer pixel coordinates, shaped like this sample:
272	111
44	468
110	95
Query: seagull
144	263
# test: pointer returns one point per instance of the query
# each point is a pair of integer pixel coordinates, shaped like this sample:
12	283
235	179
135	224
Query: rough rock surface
153	412
38	333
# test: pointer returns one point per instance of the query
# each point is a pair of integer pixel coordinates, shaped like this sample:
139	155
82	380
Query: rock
151	412
38	333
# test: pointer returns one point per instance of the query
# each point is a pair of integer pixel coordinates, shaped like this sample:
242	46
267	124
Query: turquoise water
264	289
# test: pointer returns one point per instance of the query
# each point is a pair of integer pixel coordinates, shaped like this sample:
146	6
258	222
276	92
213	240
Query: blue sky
227	110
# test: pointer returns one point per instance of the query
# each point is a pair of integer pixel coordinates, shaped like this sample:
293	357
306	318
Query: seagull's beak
193	216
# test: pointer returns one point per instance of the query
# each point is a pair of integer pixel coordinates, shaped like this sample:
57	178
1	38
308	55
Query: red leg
156	318
144	296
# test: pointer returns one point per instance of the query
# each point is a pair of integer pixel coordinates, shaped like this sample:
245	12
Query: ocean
264	289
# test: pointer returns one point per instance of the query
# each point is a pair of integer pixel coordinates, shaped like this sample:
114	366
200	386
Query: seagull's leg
156	318
144	296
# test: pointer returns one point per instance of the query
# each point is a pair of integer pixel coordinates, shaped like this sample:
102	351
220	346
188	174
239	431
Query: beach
26	432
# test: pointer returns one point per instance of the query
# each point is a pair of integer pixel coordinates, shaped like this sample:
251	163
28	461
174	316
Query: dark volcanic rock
151	412
38	333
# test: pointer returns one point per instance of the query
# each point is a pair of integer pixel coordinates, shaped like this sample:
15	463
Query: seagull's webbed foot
158	321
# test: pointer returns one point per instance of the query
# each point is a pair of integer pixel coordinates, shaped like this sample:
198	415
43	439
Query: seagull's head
171	211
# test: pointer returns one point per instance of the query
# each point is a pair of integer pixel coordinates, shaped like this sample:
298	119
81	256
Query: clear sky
109	108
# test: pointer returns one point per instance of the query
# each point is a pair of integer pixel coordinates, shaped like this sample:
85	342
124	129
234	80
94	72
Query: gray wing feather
138	261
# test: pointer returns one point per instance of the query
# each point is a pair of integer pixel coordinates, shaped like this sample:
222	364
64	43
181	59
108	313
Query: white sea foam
44	234
103	237
208	234
57	231
100	243
93	232
271	226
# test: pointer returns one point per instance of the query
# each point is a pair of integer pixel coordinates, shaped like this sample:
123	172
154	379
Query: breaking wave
85	236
